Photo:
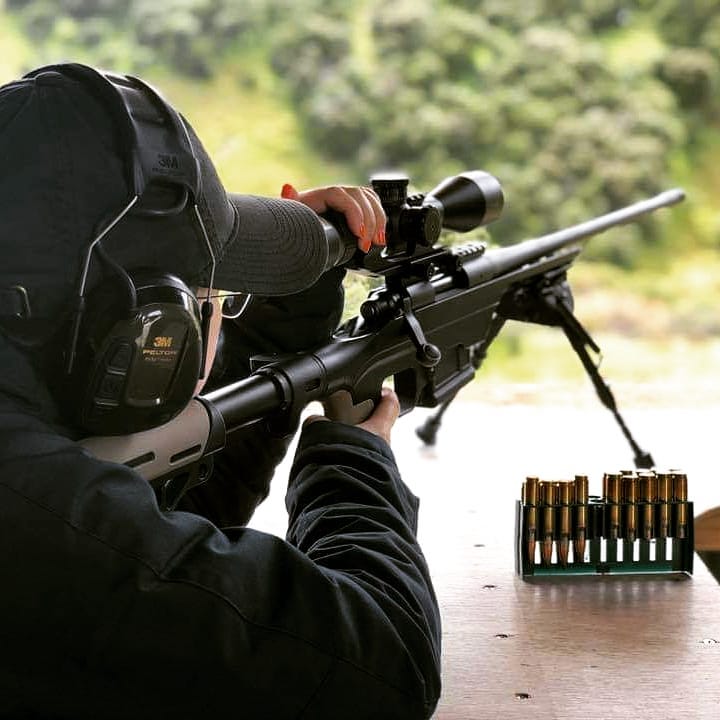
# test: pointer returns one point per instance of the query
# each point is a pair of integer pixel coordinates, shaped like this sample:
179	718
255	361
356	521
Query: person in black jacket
110	606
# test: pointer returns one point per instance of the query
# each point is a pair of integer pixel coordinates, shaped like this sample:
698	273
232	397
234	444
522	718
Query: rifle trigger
428	355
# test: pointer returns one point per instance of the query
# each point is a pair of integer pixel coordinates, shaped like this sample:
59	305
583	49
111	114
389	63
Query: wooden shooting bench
600	647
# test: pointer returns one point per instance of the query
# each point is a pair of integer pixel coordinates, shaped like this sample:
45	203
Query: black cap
64	173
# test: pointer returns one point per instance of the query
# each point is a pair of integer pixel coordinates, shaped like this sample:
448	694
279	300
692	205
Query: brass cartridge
565	497
647	493
664	495
612	490
548	498
530	500
581	513
629	497
680	496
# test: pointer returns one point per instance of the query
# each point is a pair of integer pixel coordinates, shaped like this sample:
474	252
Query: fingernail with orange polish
365	244
288	191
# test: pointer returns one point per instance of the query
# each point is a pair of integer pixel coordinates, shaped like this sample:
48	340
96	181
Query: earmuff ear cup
137	363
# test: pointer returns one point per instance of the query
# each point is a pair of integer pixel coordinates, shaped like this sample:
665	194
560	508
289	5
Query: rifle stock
428	327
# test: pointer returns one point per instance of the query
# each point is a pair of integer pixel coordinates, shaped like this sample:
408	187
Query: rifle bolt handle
429	355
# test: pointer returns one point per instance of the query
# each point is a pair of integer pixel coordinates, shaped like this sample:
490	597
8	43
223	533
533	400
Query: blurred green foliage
578	106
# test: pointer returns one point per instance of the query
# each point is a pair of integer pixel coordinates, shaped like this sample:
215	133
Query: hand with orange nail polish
289	192
361	207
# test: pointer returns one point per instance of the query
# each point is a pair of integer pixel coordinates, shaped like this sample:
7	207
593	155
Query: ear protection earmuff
136	347
136	365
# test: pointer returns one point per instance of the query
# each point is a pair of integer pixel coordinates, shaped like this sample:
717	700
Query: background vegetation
577	106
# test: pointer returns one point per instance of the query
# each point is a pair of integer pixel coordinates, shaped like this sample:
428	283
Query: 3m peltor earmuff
136	346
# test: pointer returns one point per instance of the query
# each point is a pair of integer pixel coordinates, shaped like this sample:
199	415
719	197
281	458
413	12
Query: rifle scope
461	202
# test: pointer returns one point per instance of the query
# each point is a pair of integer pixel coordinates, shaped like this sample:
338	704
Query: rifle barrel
501	260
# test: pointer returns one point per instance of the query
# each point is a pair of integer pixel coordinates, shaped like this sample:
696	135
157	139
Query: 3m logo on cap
168	162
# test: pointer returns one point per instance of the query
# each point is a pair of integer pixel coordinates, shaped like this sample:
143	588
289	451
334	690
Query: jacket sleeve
351	514
114	609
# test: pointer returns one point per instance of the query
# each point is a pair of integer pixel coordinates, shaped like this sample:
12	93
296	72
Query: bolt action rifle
428	326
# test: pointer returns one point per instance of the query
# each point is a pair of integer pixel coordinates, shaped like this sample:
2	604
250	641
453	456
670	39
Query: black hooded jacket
111	608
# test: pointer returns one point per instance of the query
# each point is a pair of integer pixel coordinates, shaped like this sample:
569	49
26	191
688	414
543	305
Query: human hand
381	420
384	415
361	207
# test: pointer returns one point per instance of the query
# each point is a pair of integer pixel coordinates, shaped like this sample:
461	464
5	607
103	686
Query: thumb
388	409
384	415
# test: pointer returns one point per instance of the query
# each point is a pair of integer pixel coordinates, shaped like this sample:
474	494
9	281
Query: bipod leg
428	431
580	340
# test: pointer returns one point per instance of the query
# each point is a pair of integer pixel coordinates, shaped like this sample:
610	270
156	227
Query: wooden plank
601	647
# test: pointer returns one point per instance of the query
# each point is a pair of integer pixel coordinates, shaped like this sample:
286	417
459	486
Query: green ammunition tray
659	556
